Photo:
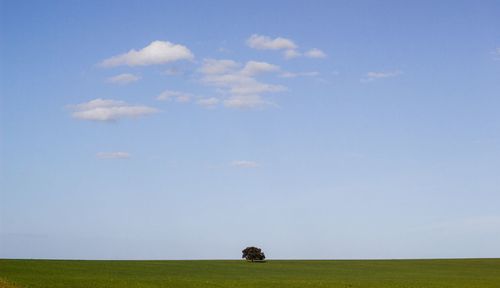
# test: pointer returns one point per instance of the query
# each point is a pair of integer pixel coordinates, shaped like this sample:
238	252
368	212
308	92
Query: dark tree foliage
253	254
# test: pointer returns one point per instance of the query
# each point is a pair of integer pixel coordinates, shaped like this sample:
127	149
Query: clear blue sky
192	129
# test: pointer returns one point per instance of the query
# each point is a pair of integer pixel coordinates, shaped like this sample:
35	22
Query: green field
342	273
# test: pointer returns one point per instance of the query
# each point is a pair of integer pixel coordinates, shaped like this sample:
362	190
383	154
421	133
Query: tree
253	254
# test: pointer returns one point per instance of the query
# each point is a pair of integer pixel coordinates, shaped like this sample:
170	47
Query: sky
193	129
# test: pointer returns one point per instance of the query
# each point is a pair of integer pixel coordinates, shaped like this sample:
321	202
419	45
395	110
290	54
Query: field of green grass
471	273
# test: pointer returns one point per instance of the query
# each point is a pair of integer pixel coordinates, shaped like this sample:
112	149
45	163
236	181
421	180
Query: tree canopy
253	254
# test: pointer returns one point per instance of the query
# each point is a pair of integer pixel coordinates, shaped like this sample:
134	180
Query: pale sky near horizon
192	129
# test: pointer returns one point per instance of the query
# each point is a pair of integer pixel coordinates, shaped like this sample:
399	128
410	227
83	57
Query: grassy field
472	273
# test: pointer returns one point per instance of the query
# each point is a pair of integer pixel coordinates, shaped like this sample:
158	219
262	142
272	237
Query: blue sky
192	129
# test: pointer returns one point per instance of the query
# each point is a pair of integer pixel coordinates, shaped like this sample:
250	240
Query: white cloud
244	164
123	78
315	53
253	68
168	95
109	110
371	76
243	88
157	52
262	42
113	155
208	102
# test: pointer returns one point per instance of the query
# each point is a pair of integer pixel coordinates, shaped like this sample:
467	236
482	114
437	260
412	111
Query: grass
472	273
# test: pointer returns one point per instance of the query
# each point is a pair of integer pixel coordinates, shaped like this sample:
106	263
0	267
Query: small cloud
244	164
289	75
315	53
496	54
301	74
262	42
157	52
253	68
123	79
223	50
371	76
289	54
214	66
245	101
109	110
113	155
289	48
183	98
208	102
169	95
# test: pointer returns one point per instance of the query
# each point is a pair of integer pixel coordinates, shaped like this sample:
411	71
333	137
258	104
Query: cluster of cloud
157	52
236	84
372	76
244	164
289	48
109	110
124	78
113	155
239	84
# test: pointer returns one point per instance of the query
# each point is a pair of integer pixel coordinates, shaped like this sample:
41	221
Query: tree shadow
257	261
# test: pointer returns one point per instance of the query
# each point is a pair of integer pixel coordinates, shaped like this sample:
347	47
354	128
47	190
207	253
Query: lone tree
253	254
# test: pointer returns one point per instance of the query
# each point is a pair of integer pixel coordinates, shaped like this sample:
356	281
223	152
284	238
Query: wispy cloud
244	90
124	78
173	71
109	110
157	52
169	95
208	102
113	155
244	164
289	54
371	76
214	66
315	53
299	74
